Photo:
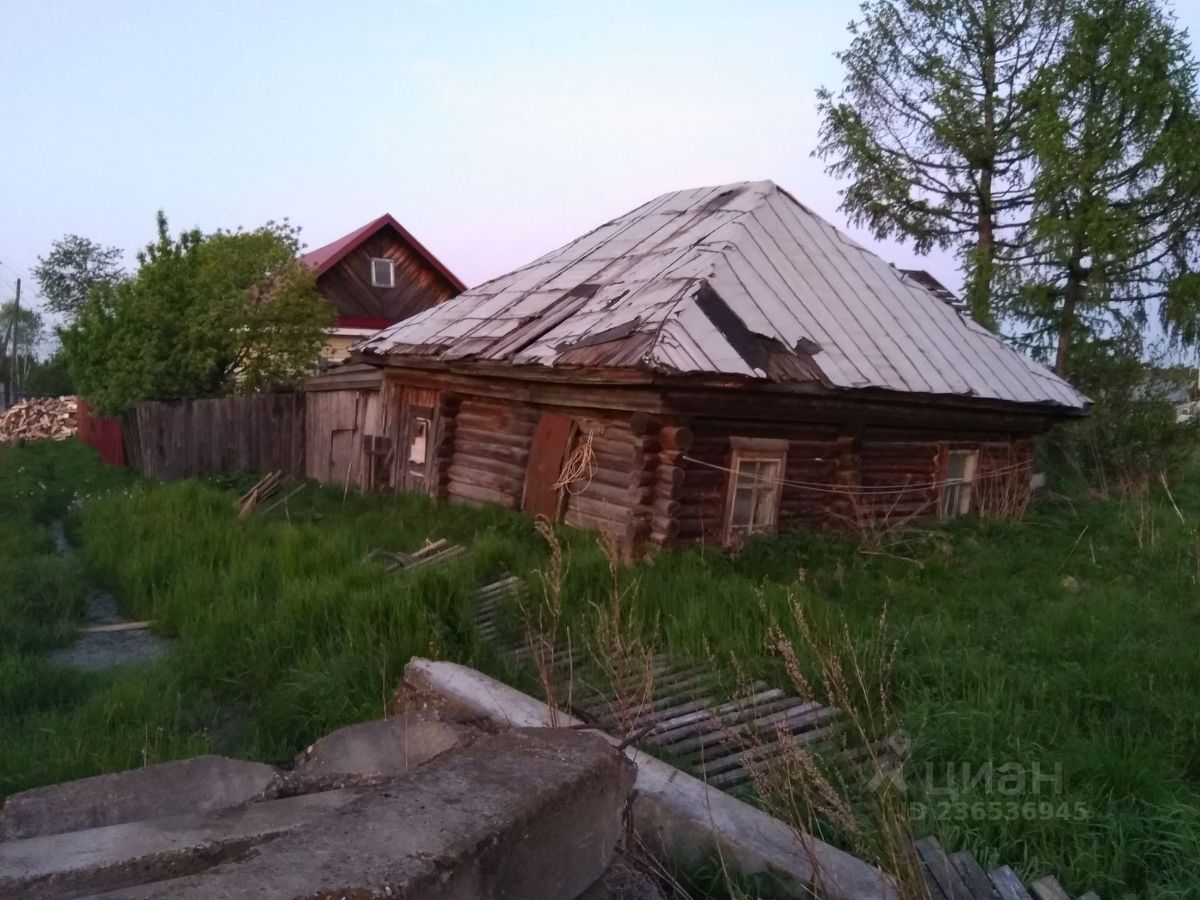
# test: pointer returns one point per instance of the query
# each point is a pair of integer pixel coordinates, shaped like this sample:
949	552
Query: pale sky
494	132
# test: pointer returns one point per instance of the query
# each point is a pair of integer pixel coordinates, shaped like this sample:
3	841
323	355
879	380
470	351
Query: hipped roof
734	280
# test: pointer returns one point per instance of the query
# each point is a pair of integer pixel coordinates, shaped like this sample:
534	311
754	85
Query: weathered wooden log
620	446
600	509
642	423
474	472
496	438
619	495
676	437
479	494
670	478
664	533
665	507
516	456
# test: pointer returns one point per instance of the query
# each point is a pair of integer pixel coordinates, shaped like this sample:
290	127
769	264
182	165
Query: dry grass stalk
847	792
624	660
1003	494
880	521
542	622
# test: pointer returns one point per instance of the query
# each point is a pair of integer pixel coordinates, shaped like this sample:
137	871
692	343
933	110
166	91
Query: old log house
715	363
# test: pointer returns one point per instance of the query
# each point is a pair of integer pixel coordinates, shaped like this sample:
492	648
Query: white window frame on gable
958	483
376	270
757	467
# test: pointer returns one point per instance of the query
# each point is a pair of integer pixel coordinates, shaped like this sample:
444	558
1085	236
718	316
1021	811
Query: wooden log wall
1002	485
897	479
187	438
490	452
661	480
607	501
812	459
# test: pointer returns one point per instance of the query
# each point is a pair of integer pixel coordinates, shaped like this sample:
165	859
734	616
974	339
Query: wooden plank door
546	456
416	427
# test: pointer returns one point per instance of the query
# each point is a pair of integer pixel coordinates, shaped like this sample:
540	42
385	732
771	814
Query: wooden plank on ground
940	870
1048	888
116	626
973	876
1008	885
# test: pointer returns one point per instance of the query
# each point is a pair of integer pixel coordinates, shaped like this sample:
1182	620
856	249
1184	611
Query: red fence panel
101	434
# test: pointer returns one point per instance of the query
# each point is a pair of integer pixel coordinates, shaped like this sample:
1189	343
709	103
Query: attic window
755	480
383	273
958	483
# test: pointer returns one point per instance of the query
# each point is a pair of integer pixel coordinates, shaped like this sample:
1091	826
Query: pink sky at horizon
493	134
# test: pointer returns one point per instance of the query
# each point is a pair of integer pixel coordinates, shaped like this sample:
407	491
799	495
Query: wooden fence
187	438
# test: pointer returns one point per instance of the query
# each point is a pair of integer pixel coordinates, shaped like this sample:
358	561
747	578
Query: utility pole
12	375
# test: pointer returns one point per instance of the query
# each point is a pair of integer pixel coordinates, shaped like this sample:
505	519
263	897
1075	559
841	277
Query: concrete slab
371	752
526	813
196	785
673	813
99	859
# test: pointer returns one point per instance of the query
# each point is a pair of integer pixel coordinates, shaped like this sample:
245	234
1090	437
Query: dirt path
105	650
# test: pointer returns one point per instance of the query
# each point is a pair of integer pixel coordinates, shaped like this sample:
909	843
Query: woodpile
39	419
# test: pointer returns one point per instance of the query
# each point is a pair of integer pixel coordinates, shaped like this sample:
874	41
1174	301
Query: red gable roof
324	258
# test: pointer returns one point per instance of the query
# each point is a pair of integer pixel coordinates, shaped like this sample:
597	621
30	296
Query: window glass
383	273
755	486
960	476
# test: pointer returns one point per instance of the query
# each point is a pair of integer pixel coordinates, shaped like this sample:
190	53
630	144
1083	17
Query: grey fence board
185	438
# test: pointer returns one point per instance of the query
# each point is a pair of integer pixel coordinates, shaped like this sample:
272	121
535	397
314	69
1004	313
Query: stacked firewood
39	419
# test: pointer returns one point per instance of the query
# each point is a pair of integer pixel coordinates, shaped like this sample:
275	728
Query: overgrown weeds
842	791
1066	641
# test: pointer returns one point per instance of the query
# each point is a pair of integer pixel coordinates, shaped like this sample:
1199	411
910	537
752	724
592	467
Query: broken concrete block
98	859
196	785
624	881
370	752
526	813
674	814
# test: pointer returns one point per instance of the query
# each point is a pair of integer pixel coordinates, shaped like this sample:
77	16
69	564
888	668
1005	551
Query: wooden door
409	418
546	456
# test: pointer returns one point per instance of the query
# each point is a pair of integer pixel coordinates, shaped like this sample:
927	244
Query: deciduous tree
73	266
204	316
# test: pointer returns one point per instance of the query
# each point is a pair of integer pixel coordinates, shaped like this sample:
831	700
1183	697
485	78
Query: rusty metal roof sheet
739	279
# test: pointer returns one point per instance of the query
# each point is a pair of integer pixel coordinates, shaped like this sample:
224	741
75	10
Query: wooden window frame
755	450
965	488
391	268
410	480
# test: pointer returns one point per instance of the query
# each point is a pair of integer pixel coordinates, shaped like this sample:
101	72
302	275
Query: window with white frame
958	483
755	483
383	273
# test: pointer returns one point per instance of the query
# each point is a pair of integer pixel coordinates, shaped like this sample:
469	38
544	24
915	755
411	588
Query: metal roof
740	280
324	258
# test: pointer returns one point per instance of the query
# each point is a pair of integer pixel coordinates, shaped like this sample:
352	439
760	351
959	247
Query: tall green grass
281	632
1071	639
1067	639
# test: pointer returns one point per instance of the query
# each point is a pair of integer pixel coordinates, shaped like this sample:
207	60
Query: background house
375	276
717	362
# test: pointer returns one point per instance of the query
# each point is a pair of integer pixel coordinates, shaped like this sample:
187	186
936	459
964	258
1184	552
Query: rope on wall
580	466
868	490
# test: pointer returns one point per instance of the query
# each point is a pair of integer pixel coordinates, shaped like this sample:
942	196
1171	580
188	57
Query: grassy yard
1068	640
